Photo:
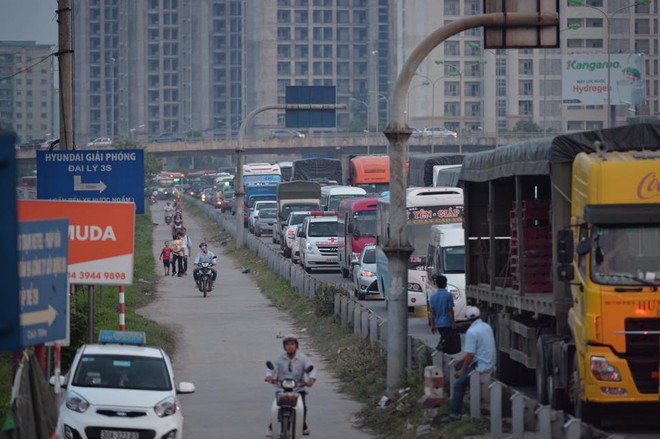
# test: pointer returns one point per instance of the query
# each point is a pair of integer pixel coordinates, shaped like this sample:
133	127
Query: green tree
526	126
151	164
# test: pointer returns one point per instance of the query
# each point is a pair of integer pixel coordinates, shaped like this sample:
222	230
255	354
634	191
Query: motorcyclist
167	210
177	226
292	364
204	255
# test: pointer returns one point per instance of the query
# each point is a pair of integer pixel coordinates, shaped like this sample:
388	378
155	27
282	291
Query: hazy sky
28	20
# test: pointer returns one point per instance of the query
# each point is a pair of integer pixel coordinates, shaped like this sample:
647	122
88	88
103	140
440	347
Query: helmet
290	337
472	312
202	244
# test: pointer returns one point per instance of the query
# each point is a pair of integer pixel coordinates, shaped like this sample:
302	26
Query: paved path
223	343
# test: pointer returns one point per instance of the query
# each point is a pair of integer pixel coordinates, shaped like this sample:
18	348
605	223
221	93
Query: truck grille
642	353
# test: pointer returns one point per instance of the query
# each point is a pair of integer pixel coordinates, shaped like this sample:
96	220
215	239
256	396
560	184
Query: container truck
319	169
541	221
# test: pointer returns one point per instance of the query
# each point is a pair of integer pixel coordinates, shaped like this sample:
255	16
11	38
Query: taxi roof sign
107	336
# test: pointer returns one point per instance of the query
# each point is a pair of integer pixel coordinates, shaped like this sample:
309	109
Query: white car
439	132
255	211
364	274
121	389
100	141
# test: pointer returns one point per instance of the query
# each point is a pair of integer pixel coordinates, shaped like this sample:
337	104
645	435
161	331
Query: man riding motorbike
204	255
293	364
167	210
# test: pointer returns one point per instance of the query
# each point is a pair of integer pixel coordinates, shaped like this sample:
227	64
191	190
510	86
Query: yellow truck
563	257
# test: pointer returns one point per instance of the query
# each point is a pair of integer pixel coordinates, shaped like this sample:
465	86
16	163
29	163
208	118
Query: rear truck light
603	371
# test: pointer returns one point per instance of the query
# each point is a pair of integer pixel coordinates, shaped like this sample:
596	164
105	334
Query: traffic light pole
396	244
240	156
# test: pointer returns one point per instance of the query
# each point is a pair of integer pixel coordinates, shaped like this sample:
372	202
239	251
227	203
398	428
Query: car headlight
365	273
166	407
310	247
603	371
76	403
412	286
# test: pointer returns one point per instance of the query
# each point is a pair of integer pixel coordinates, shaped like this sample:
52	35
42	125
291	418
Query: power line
28	67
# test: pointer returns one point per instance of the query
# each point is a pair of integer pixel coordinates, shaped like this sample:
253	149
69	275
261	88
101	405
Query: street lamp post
611	110
359	101
112	99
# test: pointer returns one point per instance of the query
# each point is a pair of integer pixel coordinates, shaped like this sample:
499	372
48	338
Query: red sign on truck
101	237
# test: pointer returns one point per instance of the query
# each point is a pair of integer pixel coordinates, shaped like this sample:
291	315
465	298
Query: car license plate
114	434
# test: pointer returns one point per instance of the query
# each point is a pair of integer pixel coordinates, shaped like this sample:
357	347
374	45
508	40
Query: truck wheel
344	272
587	412
542	376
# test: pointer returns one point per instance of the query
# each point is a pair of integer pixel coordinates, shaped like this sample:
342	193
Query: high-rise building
26	89
200	66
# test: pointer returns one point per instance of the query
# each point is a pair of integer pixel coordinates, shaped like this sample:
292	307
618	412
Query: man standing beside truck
441	310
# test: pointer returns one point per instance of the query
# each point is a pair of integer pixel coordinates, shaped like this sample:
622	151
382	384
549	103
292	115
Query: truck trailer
541	221
295	196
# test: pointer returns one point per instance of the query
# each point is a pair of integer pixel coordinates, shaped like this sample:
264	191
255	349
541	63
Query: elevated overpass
328	144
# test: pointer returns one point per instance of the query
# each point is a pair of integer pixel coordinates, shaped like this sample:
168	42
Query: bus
356	228
371	173
261	173
332	195
426	206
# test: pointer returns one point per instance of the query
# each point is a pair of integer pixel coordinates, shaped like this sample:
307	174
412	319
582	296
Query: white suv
121	389
439	132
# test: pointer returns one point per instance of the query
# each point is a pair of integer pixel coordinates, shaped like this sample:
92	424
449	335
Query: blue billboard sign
92	175
43	253
316	94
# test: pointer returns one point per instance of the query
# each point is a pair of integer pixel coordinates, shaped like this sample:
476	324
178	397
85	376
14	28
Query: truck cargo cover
535	157
421	167
317	168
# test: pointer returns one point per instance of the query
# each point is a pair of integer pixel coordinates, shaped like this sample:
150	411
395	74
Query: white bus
426	206
332	195
259	173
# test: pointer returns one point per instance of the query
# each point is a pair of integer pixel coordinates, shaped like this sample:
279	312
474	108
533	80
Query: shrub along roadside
106	310
360	368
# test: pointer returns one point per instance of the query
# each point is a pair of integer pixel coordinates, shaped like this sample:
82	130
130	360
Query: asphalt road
223	343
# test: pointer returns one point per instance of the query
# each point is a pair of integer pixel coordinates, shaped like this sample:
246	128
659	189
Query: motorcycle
205	277
178	227
287	414
168	218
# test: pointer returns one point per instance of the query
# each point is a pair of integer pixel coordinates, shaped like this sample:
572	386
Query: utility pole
65	54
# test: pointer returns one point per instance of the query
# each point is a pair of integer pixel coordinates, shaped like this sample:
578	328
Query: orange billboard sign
101	237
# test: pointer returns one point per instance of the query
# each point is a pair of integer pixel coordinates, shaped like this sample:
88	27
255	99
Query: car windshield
267	213
303	207
625	255
369	255
365	223
322	229
228	194
122	371
297	219
453	259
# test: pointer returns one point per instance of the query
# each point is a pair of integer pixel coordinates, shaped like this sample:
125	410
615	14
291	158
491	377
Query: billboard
101	237
585	79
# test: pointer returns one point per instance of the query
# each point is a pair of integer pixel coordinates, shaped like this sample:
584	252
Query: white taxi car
121	389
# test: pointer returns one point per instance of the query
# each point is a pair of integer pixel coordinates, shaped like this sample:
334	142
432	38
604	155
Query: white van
446	256
318	241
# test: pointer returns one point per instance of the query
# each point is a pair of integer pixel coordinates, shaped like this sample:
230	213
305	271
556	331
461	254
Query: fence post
495	409
543	416
572	429
518	416
475	395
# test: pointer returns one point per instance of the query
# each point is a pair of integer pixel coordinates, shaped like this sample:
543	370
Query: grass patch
145	283
360	367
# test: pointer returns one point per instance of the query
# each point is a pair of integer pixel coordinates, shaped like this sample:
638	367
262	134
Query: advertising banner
101	237
585	80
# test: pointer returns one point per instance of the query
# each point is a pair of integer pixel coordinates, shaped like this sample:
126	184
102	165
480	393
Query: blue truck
257	192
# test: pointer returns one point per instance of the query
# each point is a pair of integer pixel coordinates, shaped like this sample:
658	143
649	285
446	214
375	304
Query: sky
28	20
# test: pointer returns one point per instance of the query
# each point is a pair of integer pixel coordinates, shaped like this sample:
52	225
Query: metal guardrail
504	405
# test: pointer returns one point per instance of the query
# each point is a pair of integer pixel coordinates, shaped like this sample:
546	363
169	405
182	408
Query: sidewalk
223	342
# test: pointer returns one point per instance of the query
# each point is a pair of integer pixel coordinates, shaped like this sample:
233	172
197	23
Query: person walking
441	310
480	354
186	246
177	256
165	256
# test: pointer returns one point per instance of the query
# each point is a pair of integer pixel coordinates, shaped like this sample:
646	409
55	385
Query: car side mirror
53	380
185	387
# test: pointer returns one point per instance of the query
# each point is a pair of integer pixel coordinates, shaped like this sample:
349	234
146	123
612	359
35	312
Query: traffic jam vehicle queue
120	389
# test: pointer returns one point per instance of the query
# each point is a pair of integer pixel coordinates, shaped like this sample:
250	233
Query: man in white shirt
186	246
